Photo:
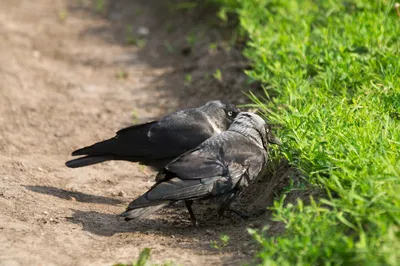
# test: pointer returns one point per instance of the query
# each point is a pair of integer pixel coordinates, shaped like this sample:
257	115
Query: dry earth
70	76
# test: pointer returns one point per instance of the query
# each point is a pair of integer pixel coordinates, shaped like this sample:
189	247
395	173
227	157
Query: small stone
121	193
209	232
51	219
72	199
45	212
143	31
36	54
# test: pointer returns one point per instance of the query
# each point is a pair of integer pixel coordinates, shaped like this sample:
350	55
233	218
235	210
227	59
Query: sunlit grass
331	73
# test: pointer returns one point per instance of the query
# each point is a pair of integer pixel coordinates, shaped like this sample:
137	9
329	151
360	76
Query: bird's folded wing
177	189
213	157
182	131
180	189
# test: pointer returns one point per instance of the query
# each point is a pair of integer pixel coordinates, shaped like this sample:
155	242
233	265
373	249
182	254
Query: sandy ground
69	78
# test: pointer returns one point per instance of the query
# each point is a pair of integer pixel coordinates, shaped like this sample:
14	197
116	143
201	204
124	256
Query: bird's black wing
154	143
212	169
178	133
213	156
177	189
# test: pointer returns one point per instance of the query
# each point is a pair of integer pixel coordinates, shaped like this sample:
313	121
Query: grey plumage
157	143
216	169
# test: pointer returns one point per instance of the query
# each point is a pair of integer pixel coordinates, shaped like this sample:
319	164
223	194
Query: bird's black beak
271	137
274	140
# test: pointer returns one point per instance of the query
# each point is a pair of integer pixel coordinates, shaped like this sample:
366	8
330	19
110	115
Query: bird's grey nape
214	109
251	126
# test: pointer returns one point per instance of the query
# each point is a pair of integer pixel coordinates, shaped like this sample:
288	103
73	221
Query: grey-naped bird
215	170
158	142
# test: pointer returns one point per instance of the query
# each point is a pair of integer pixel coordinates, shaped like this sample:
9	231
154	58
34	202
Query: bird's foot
188	204
195	223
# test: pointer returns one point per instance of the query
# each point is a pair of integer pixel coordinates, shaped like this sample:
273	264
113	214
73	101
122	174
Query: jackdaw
215	170
158	142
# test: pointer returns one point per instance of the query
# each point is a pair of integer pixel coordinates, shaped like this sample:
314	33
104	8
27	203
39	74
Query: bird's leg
188	204
222	208
226	206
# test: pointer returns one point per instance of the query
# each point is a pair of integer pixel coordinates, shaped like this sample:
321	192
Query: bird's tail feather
87	160
142	212
99	148
130	144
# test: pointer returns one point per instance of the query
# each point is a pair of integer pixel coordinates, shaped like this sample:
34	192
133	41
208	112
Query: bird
158	142
216	170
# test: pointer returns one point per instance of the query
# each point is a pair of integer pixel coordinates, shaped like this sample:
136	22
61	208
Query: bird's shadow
68	195
172	220
106	224
173	225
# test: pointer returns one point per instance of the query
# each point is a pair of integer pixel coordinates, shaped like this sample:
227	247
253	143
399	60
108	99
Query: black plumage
216	169
157	143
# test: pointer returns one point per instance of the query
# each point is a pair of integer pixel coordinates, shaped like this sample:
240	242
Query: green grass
144	260
331	73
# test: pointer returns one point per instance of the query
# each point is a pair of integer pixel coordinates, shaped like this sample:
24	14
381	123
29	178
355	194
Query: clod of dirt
119	193
186	51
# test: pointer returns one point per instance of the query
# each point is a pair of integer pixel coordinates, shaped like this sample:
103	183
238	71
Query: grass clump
331	75
144	260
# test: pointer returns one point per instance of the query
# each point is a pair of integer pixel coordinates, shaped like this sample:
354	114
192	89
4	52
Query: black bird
215	170
158	142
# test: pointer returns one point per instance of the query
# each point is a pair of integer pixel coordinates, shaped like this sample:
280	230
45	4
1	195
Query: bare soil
71	75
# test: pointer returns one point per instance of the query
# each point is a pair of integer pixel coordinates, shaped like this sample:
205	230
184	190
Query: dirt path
68	79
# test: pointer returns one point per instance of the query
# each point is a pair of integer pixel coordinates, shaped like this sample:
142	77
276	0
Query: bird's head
254	128
222	114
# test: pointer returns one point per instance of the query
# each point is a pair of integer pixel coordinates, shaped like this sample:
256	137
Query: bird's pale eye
230	113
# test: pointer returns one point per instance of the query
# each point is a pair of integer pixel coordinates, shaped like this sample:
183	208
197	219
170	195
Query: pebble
120	194
143	31
209	232
36	54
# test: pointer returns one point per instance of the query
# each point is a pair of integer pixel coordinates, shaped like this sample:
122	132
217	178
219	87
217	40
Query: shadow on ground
199	59
68	195
173	223
189	46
